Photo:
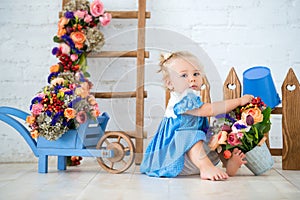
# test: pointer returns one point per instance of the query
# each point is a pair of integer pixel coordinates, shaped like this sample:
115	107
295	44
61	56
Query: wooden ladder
140	54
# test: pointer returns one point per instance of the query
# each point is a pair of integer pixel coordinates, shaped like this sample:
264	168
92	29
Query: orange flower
30	119
218	139
227	154
34	134
70	113
95	113
62	22
78	38
255	113
61	32
54	68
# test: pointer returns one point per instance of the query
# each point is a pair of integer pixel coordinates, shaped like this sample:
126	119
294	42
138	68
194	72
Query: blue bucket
258	82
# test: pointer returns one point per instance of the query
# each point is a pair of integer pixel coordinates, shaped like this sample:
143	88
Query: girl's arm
220	107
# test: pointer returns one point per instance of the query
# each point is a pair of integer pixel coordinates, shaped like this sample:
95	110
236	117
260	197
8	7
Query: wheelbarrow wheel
123	150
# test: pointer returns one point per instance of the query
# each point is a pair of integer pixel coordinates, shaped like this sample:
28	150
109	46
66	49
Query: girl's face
183	75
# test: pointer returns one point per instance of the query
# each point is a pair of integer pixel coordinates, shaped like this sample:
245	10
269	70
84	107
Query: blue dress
176	134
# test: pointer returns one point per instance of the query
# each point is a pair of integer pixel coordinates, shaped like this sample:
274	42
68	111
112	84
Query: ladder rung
117	94
112	54
123	14
127	14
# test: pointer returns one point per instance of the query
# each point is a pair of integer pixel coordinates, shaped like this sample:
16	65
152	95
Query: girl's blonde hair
165	59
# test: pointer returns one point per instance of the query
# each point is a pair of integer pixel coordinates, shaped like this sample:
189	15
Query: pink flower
96	112
81	117
88	18
37	109
240	135
233	139
72	86
64	48
105	19
74	57
97	8
80	14
42	95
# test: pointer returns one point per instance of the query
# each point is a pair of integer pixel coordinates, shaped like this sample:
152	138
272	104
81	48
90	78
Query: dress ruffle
189	102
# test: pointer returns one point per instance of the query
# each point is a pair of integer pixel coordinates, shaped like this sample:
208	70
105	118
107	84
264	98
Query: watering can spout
6	114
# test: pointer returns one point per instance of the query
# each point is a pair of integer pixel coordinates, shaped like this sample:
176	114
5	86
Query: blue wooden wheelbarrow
114	150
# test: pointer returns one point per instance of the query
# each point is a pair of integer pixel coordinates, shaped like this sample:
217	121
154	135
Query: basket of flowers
245	128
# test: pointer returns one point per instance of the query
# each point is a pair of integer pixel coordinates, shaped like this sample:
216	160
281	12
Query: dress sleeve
188	102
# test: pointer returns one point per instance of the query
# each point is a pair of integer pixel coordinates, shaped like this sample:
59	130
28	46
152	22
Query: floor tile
89	181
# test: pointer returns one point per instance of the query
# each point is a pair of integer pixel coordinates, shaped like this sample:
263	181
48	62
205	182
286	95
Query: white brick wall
231	32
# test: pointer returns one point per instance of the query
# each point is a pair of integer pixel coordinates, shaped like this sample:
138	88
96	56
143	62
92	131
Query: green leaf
86	74
82	60
57	39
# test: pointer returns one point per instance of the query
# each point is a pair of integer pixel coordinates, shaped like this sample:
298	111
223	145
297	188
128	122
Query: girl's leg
208	171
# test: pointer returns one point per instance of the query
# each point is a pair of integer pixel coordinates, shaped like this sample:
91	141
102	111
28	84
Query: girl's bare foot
210	172
235	162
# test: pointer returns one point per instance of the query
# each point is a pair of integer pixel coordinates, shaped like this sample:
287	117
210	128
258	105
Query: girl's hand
246	99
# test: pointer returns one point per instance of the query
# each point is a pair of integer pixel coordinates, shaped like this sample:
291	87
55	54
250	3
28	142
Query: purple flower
69	15
48	113
249	120
57	88
69	92
53	74
56	118
240	126
55	50
36	100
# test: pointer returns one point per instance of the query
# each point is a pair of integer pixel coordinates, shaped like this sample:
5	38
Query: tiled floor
89	181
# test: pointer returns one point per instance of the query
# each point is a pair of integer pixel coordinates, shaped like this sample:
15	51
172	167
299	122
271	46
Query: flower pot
259	159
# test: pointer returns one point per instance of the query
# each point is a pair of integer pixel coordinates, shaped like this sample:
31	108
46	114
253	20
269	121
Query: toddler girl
179	147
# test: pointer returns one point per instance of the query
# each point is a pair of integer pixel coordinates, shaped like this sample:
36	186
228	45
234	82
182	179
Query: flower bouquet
245	128
66	102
